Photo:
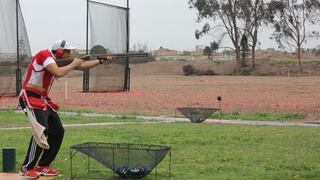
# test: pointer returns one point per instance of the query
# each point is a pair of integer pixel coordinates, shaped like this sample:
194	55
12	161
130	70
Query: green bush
210	72
189	69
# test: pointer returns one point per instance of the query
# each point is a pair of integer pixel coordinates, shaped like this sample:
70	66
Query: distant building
165	52
199	47
198	52
228	53
270	52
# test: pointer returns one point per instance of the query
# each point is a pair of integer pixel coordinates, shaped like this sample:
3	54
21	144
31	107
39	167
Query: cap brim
71	48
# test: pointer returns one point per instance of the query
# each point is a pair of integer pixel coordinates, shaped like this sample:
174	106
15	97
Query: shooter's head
61	49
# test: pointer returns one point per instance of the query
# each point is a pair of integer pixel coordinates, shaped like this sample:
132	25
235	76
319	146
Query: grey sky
167	23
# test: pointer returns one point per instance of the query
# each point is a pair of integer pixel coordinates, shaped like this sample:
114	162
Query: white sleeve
48	61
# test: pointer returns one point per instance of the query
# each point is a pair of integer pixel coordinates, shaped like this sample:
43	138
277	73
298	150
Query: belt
36	87
32	94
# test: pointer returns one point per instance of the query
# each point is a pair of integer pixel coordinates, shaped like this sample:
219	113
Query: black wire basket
132	161
197	115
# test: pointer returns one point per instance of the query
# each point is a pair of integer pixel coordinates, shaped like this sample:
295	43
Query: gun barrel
122	55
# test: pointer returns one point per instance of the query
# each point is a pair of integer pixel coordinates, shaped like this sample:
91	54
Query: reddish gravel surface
162	94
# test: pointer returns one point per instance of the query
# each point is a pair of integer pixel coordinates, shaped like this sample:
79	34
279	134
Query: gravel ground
162	94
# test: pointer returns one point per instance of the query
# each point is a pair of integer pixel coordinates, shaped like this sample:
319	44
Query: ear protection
59	51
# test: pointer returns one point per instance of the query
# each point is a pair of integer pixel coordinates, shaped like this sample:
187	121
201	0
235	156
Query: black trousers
54	132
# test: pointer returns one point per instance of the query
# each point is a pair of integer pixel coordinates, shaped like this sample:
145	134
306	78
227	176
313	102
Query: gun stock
63	62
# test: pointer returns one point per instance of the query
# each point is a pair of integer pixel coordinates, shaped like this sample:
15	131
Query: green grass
9	118
285	59
199	151
218	62
76	110
261	116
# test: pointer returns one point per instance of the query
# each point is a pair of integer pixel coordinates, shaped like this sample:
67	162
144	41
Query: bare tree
253	12
225	14
290	19
239	18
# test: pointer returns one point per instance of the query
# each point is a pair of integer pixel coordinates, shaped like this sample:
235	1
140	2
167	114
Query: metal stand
74	151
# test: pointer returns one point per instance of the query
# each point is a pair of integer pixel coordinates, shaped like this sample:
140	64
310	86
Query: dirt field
158	88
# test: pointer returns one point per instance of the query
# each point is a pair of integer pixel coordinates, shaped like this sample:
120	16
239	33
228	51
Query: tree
244	48
98	49
208	52
253	12
238	17
290	18
225	14
214	46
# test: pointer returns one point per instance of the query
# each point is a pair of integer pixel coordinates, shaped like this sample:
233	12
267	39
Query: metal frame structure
74	152
18	60
86	73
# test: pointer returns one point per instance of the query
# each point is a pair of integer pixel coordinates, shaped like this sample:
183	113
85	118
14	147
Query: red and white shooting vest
38	80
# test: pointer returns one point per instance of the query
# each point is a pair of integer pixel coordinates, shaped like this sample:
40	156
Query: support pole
86	73
18	70
127	74
66	90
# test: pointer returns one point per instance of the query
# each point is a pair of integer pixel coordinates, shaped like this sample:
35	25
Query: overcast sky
167	23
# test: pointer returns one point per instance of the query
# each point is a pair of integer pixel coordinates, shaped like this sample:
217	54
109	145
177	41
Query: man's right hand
58	72
77	62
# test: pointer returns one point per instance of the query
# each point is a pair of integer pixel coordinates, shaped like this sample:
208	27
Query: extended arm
88	64
64	70
92	63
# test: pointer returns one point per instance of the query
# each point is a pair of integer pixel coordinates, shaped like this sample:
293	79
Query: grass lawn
261	116
199	151
9	118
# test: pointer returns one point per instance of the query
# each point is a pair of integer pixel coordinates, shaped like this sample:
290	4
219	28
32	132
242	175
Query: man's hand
110	59
106	59
77	62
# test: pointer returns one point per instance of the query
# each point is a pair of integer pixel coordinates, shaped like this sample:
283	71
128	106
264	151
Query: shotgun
64	62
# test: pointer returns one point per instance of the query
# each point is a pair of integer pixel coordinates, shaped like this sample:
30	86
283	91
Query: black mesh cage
127	160
197	114
108	77
14	47
108	28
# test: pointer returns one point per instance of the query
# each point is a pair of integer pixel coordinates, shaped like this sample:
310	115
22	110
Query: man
42	111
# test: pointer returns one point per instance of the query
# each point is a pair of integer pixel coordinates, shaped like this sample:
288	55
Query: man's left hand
110	59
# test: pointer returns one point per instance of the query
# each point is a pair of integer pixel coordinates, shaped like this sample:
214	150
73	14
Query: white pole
66	90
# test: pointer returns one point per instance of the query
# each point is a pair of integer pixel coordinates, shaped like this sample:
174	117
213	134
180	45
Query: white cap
62	44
